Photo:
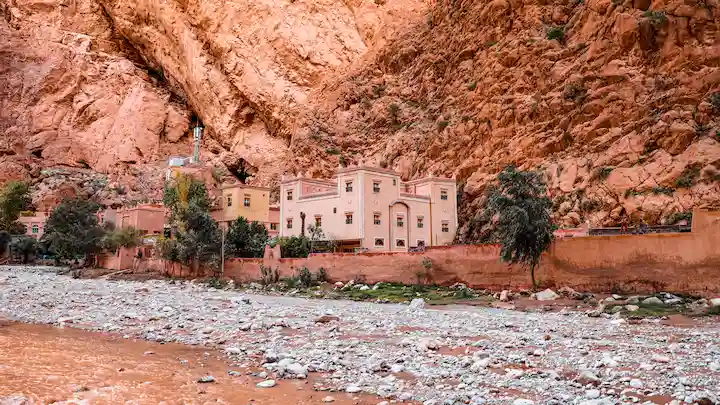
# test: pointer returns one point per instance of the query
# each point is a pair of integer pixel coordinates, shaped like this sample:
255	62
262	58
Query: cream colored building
372	208
252	203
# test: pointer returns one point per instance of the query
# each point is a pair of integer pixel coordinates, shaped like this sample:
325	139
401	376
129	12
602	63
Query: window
443	195
400	222
379	242
348	186
289	195
273	226
35	229
445	227
289	223
229	200
376	186
334	210
400	242
246	201
420	222
420	242
394	182
348	218
318	222
376	219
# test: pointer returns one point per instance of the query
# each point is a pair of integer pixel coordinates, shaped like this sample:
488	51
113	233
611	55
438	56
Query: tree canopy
246	239
73	229
14	198
524	226
127	237
24	247
197	235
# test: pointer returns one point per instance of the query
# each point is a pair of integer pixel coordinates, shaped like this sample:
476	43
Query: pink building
274	225
148	218
35	223
372	208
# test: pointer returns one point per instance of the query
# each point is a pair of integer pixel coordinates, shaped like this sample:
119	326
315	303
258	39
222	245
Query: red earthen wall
679	262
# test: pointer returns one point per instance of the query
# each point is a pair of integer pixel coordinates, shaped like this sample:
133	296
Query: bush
268	275
218	283
294	246
656	17
557	32
321	276
603	173
574	92
305	277
472	86
663	190
332	151
680	216
442	125
688	178
715	100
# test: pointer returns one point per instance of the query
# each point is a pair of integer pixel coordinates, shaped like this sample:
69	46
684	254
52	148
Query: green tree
316	235
24	246
294	246
520	203
197	235
14	198
246	239
127	237
73	230
5	238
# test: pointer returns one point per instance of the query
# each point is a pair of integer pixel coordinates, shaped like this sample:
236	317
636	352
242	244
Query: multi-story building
252	203
34	223
149	219
372	208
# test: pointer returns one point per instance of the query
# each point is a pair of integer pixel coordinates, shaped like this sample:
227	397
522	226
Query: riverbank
463	354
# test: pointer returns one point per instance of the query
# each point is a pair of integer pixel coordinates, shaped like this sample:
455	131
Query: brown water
50	365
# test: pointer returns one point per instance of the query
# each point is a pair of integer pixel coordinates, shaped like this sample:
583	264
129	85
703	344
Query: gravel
444	356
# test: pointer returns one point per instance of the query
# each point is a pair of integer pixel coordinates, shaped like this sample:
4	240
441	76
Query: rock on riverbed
463	355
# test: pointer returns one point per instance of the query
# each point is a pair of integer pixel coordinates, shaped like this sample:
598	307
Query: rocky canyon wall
618	101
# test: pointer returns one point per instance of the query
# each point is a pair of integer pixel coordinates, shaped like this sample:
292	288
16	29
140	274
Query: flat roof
241	185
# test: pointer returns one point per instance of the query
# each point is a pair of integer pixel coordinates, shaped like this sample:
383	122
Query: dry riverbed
315	349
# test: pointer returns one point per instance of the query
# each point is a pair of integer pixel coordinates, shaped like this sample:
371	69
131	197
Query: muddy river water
50	365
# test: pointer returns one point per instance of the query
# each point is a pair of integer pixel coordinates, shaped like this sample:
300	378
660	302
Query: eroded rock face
617	107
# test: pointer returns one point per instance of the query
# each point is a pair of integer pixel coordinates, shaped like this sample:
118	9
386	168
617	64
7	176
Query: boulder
417	303
715	302
546	295
504	296
653	301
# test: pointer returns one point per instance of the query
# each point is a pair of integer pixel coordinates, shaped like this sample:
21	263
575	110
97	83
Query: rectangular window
348	186
394	182
229	200
443	195
318	222
348	218
376	186
420	242
376	219
420	222
400	242
246	201
289	223
35	229
445	227
273	226
334	210
289	195
400	222
379	242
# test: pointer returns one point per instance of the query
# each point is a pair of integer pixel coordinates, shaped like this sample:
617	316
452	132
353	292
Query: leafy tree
294	246
316	235
14	198
73	230
246	239
127	237
24	246
197	235
522	208
5	238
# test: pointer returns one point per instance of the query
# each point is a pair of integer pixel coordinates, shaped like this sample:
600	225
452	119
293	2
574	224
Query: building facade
252	203
371	208
34	223
149	219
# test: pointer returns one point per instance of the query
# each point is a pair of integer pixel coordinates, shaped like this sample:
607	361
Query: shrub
442	125
332	151
663	190
680	216
715	100
574	92
688	178
218	283
472	86
603	173
427	263
305	277
557	32
268	275
656	17
321	276
590	205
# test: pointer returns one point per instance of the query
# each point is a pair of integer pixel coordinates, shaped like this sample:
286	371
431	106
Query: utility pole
222	251
197	136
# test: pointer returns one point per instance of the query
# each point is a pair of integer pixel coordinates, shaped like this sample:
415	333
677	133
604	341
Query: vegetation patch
656	17
602	173
688	178
556	33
